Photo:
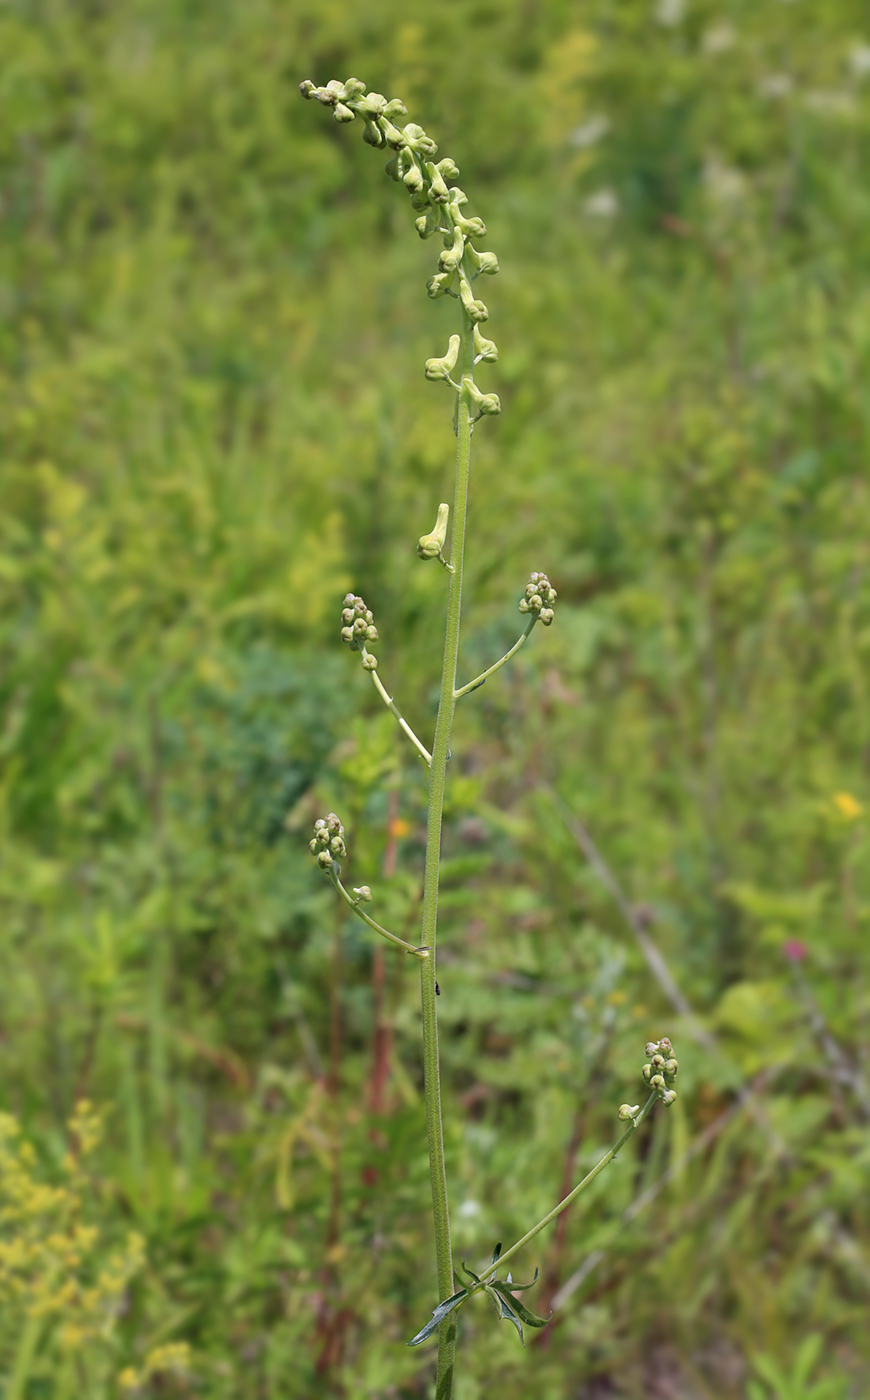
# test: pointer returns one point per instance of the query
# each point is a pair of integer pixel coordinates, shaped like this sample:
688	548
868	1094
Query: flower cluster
358	627
539	598
661	1071
327	844
439	208
173	1358
53	1263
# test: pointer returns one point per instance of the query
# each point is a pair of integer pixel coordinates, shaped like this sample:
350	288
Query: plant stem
484	675
400	942
388	701
572	1195
437	774
25	1351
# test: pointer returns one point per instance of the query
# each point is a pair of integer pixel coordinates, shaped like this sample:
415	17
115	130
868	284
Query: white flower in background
468	1210
829	103
670	12
590	132
604	204
859	60
723	183
776	85
719	39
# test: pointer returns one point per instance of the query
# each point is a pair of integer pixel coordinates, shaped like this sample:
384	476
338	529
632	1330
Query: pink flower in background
795	950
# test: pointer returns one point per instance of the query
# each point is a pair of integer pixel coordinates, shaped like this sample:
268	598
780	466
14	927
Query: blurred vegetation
213	420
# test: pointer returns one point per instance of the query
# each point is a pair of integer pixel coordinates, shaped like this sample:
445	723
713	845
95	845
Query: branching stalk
485	675
572	1195
421	953
393	708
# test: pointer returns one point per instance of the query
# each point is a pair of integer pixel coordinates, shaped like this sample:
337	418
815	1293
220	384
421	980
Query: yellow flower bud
430	546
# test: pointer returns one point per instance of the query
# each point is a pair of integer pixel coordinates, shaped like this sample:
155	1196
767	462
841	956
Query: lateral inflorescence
661	1070
327	843
539	598
358	628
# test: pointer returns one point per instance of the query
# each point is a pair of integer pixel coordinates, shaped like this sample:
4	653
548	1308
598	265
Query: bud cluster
661	1070
358	628
439	207
327	844
539	598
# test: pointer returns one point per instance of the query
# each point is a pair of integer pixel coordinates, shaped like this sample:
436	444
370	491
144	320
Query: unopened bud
417	140
364	894
370	663
347	634
428	223
412	179
337	846
668	1097
650	1048
373	136
474	310
430	546
671	1068
546	616
371	633
484	349
443	366
484	403
342	113
482	262
450	259
657	1061
324	860
647	1073
627	1110
438	285
665	1045
374	105
359	627
524	605
657	1082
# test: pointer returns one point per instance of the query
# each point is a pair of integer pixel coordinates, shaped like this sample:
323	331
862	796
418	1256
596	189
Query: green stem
421	953
572	1195
388	701
24	1353
437	775
484	675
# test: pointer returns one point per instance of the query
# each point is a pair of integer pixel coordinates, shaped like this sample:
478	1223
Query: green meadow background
214	421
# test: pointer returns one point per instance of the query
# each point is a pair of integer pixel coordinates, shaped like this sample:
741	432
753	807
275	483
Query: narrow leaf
505	1310
495	1253
521	1287
438	1316
470	1272
529	1318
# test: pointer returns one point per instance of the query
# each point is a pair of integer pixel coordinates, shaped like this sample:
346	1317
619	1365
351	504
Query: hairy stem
490	670
437	774
420	953
572	1195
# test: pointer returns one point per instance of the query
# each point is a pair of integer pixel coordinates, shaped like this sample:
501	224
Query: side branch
403	724
572	1195
484	675
421	953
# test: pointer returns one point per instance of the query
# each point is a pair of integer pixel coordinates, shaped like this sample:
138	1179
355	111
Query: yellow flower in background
847	805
